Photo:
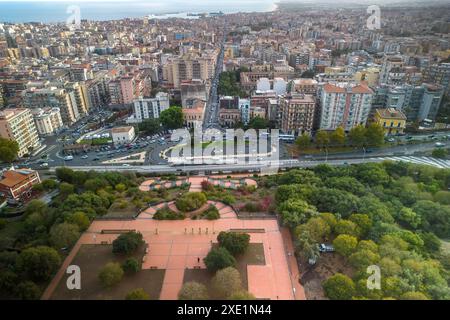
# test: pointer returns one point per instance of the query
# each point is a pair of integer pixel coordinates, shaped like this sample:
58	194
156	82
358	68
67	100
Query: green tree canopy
219	258
226	282
172	118
111	274
137	294
193	291
127	243
64	235
345	244
339	287
235	242
39	263
8	150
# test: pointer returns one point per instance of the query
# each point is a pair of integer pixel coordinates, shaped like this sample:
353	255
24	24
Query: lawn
90	259
253	256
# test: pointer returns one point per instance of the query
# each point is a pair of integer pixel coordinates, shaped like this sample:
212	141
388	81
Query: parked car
326	247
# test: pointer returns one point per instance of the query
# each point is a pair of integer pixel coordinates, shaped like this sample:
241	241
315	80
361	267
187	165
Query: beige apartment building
18	125
188	67
297	113
48	120
194	113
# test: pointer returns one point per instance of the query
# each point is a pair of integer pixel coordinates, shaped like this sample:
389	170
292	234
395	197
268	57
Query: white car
439	144
85	156
44	165
68	158
125	165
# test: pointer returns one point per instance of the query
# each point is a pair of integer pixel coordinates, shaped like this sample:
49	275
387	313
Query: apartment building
193	89
149	108
229	112
53	97
303	86
18	125
438	74
194	113
189	67
48	120
16	185
297	113
344	105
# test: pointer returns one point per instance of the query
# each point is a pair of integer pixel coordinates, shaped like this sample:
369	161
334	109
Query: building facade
18	125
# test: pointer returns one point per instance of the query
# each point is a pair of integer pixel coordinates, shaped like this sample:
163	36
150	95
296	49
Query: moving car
68	158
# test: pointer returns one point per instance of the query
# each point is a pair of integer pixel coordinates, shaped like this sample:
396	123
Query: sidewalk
299	292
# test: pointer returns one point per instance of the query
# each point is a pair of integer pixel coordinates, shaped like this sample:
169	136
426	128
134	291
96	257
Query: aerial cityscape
232	150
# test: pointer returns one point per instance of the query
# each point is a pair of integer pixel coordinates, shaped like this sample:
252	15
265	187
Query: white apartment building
149	108
48	120
18	125
344	105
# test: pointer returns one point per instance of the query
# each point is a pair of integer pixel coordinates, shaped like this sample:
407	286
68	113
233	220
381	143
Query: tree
335	201
111	274
219	258
172	118
303	141
64	235
413	295
443	197
345	244
241	295
8	150
357	136
150	126
307	246
347	227
440	153
39	263
193	291
66	189
226	282
363	221
337	137
137	294
409	218
131	265
80	219
295	212
375	135
235	242
339	287
49	184
361	259
28	290
258	123
127	243
316	227
322	139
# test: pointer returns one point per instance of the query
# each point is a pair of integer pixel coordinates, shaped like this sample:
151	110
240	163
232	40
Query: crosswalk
438	163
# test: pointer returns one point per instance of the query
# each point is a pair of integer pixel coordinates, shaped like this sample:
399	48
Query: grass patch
91	258
253	256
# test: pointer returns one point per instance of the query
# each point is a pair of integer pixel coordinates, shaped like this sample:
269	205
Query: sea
98	10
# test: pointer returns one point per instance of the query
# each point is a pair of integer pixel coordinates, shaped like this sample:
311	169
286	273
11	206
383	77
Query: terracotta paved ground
177	245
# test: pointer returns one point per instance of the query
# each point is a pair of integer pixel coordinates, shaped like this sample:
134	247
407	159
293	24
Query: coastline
29	12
